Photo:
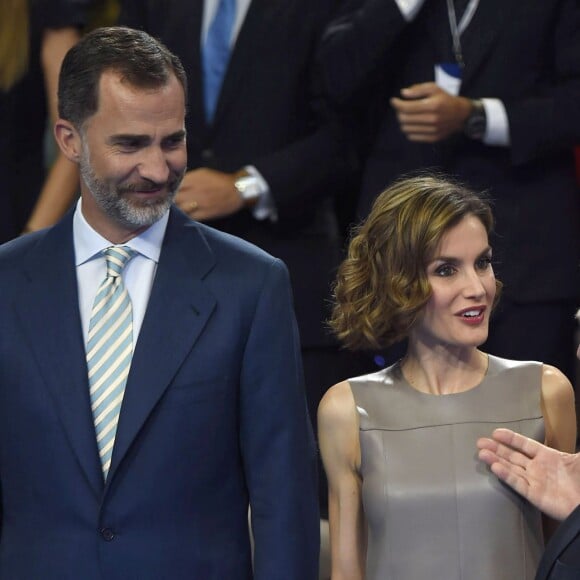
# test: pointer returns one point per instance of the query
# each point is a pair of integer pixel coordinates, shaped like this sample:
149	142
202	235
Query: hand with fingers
426	113
548	478
207	194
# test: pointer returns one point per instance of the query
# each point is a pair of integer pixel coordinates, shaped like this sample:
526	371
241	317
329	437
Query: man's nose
154	165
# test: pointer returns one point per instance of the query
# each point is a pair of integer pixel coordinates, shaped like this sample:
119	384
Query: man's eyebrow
129	138
177	135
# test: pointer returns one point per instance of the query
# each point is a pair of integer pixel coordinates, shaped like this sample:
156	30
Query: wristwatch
249	188
476	123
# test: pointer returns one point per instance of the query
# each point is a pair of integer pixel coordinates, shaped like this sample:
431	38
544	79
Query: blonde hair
14	42
382	285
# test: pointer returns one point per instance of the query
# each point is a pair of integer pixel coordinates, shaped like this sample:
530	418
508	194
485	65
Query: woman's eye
483	263
445	270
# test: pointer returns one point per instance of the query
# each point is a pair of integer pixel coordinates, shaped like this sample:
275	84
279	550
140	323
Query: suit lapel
178	309
490	19
568	530
50	316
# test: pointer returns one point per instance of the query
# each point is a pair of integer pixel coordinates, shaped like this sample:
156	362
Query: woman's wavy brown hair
382	285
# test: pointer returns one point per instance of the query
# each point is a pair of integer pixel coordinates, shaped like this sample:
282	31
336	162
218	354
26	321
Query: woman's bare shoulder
337	403
556	388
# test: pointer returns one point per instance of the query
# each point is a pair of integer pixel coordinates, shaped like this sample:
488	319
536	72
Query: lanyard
457	30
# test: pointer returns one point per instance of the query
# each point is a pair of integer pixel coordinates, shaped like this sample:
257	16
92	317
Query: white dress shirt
138	275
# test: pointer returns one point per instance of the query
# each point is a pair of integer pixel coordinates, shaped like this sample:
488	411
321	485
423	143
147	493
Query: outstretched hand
548	478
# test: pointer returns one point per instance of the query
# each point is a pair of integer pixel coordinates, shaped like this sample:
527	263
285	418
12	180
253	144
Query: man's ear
68	139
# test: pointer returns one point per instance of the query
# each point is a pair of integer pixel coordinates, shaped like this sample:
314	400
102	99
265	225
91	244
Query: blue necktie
216	54
109	350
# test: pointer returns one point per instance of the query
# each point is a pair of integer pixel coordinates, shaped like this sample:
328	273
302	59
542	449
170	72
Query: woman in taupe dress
408	498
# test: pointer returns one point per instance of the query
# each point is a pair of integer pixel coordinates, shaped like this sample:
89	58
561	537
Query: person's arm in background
354	50
61	185
549	122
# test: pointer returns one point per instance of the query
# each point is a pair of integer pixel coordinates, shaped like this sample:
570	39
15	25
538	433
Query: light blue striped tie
109	350
216	54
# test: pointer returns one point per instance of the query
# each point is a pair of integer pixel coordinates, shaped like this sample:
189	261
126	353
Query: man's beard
127	212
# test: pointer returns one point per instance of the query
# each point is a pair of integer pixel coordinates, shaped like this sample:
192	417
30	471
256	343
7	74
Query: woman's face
463	288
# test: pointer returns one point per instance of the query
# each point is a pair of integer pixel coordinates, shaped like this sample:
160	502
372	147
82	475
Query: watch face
475	128
248	187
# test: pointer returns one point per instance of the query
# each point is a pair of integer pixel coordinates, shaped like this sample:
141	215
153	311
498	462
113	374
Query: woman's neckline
409	380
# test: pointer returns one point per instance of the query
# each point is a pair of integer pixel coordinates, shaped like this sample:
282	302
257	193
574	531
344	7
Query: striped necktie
216	54
109	350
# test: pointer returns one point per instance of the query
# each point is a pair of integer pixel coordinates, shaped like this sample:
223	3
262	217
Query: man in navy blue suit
212	418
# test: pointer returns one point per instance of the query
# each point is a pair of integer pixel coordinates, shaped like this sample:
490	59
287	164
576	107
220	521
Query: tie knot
117	258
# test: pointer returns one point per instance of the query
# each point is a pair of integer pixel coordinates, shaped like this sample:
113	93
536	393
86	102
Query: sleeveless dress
433	510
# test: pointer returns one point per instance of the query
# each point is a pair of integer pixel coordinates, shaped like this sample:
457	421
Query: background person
34	37
494	101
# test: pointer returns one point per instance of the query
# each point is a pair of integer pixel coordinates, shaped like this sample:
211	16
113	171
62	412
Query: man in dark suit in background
489	92
146	398
266	158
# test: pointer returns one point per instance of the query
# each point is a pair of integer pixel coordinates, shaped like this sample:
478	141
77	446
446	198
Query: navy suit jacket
213	418
561	560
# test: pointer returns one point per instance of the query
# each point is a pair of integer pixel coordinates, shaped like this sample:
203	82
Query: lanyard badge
448	74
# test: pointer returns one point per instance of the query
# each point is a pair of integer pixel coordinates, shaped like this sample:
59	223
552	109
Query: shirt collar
88	243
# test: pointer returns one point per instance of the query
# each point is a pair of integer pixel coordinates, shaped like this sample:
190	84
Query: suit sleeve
322	161
276	440
549	121
563	549
354	49
319	165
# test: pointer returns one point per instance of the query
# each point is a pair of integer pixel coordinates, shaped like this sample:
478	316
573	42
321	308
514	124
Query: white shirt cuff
409	8
497	130
265	207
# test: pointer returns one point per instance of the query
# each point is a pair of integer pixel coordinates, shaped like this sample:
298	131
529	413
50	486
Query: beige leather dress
435	512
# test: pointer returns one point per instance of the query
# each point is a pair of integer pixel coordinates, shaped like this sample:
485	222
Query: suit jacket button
107	534
207	154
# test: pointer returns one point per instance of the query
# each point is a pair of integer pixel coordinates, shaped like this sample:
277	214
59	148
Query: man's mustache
150	186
